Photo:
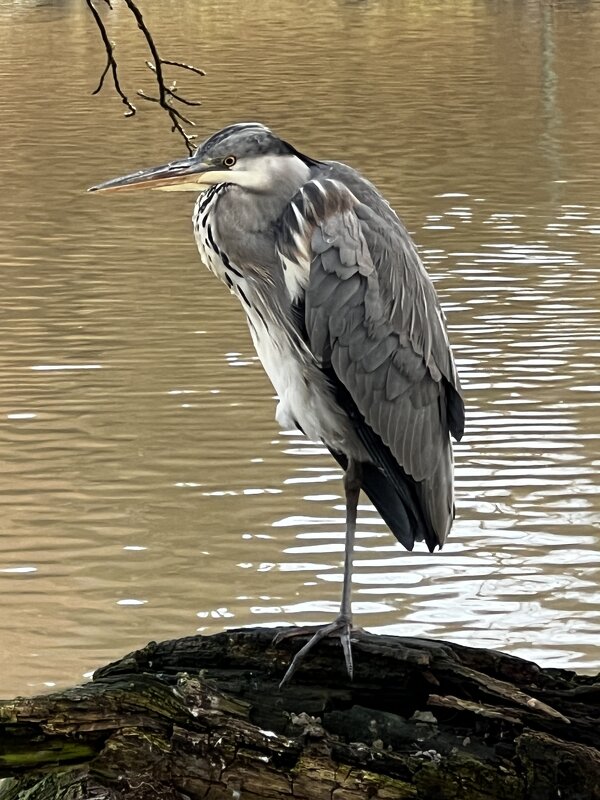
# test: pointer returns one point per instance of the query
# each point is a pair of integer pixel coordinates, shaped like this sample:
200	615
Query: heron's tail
412	511
396	511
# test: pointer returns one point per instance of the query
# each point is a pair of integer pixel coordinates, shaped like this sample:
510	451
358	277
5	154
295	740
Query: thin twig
170	90
104	74
184	66
163	97
151	99
111	64
176	96
166	95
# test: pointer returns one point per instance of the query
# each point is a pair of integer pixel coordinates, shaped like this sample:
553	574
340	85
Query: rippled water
146	491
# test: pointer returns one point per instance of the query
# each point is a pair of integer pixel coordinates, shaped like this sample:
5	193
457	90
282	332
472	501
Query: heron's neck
259	198
244	216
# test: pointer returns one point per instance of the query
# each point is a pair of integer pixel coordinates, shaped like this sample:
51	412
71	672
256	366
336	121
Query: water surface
146	491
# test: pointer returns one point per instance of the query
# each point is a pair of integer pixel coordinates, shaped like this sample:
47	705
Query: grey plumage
373	319
344	319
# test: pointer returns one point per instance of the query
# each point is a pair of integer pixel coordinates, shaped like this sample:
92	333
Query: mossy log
203	717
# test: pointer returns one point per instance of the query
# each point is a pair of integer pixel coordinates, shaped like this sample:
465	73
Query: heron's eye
229	161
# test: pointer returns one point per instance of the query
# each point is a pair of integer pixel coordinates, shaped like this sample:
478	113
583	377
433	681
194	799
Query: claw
341	626
347	648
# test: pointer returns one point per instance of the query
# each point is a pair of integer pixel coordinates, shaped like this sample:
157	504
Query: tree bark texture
203	717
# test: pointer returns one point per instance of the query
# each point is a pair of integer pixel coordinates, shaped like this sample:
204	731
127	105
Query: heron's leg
342	625
352	483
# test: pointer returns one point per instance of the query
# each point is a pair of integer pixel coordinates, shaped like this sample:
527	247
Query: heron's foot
341	626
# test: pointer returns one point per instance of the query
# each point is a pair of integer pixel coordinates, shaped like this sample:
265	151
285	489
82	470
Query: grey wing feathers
373	318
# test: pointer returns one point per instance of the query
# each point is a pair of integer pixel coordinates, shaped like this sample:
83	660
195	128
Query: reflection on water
146	491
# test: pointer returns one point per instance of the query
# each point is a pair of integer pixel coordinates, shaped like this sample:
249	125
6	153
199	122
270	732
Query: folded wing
373	323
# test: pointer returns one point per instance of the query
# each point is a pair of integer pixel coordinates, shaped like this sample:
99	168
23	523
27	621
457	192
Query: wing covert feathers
373	319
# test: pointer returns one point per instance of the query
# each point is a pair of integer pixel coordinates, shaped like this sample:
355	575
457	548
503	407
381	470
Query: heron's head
246	154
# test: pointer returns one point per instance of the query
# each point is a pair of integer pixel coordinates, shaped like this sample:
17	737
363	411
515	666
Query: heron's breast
306	400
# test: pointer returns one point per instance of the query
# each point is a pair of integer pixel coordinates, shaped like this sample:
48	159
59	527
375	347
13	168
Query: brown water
146	491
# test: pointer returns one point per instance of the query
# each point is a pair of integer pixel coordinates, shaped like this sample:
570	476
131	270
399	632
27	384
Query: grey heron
344	319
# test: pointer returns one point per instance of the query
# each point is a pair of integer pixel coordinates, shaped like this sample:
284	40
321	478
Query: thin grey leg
342	625
352	482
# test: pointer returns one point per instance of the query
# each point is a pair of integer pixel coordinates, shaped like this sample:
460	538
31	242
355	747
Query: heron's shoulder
323	200
335	177
344	175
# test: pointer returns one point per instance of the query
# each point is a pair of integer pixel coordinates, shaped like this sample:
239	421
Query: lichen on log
203	717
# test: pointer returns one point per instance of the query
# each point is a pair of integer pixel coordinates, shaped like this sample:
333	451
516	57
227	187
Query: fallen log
203	717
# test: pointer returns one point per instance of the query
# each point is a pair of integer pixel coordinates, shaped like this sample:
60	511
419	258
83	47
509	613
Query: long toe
294	631
341	627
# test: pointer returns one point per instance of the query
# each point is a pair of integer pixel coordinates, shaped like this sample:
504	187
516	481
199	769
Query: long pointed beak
183	175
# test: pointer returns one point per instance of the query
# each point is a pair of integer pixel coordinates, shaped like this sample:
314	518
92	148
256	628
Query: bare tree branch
111	64
167	95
